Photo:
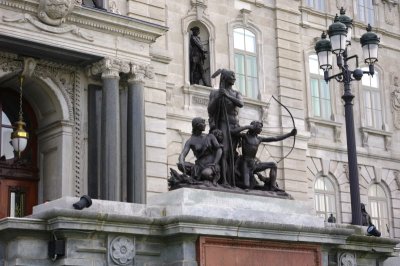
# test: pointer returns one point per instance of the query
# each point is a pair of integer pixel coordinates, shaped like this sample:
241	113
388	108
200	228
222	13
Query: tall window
245	62
366	11
378	208
325	197
320	96
316	4
372	100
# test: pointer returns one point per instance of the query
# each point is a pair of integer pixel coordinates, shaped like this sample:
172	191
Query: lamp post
340	36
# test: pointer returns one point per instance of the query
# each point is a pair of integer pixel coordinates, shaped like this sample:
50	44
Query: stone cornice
93	19
117	24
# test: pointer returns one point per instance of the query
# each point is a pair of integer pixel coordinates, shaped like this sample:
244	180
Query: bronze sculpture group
226	156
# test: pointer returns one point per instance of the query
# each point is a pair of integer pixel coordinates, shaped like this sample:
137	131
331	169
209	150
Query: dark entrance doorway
18	175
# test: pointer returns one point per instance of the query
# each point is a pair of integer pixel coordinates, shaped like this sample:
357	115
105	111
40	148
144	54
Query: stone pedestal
177	228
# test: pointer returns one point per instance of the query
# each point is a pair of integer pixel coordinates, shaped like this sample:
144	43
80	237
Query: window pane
6	148
319	184
251	90
374	80
250	41
313	62
380	192
239	64
328	185
241	83
238	38
367	95
251	66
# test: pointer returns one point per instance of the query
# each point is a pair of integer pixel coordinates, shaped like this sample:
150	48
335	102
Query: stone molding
390	11
89	18
139	72
199	7
109	68
366	131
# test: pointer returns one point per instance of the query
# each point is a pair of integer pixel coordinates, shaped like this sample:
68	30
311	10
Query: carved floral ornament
347	259
122	250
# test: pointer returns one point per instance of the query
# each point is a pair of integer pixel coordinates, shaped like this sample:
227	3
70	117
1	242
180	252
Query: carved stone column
136	157
110	175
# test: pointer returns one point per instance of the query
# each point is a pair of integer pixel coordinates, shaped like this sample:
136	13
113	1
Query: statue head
257	126
227	77
362	207
195	30
218	135
198	125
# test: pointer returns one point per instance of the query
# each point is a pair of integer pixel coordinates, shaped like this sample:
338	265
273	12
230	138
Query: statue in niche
218	165
197	56
247	163
395	100
207	150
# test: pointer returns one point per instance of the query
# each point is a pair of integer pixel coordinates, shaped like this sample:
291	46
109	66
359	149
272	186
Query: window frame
366	12
334	193
246	55
242	22
370	107
320	79
378	220
319	5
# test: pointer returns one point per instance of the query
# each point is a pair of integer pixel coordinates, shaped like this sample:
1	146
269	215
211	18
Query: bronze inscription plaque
234	252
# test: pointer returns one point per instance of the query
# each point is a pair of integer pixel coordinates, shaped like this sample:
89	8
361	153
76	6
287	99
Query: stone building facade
108	105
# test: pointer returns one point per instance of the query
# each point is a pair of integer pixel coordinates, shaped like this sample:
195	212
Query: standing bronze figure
223	110
197	55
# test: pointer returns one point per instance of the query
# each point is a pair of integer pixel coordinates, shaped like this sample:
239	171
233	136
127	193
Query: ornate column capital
139	72
109	68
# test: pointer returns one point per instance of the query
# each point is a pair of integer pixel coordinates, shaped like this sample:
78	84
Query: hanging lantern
19	137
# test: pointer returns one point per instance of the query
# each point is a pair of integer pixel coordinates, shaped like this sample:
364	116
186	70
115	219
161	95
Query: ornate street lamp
340	35
19	137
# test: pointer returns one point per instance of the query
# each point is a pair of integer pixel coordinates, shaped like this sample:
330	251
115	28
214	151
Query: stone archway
54	93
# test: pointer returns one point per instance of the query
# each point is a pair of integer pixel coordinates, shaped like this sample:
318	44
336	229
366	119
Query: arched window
246	62
325	197
372	100
320	95
366	11
378	209
316	4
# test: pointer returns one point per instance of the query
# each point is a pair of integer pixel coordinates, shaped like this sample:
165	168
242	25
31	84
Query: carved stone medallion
122	250
347	259
54	12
